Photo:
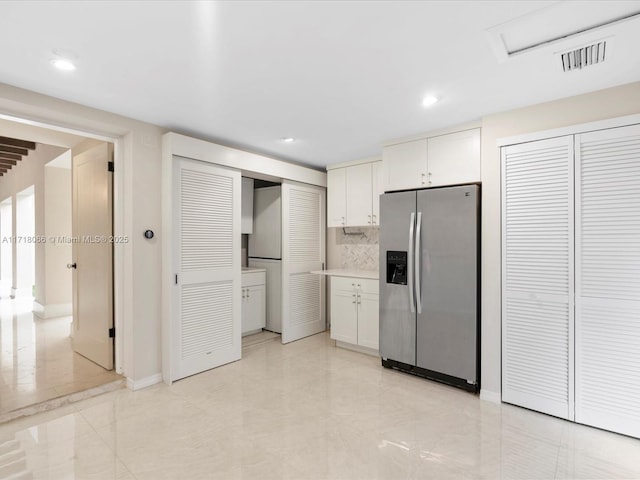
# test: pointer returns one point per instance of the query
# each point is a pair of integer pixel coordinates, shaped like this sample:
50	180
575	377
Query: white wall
24	276
140	168
609	103
6	254
30	172
57	223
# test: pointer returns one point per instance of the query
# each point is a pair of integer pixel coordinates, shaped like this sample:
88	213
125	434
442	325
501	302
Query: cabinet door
247	205
608	279
377	189
253	308
337	197
368	324
344	319
454	158
359	195
405	165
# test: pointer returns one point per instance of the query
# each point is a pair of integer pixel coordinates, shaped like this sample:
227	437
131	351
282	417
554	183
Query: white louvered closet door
537	276
206	320
608	279
303	250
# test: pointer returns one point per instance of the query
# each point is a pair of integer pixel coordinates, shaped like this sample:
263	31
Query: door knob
72	265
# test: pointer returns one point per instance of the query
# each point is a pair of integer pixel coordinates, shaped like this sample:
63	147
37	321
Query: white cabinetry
337	197
246	226
353	195
450	159
253	301
405	165
377	190
453	159
354	311
359	190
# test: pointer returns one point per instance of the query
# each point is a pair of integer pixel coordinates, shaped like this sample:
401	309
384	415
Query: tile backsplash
358	251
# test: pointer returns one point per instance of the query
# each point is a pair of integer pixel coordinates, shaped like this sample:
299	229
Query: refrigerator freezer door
397	322
265	242
447	326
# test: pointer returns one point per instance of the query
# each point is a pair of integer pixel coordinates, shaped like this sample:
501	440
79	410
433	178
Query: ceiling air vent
583	57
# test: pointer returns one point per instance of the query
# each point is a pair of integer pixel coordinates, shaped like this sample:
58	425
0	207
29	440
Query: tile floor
37	362
306	410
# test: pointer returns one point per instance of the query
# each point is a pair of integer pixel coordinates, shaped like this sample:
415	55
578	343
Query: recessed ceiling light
288	139
63	64
429	100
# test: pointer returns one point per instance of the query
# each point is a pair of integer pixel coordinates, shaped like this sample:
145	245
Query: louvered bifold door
206	322
537	276
303	251
608	279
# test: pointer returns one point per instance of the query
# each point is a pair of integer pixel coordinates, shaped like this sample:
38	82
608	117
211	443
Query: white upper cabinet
359	210
450	159
454	158
377	190
247	205
336	197
405	165
353	195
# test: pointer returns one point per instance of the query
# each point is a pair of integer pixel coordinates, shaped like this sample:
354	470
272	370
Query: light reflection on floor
304	411
37	362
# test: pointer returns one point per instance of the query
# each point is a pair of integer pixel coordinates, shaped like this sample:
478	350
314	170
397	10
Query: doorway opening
39	357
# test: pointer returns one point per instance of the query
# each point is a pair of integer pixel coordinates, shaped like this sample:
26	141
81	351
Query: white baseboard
53	310
144	382
488	396
20	293
357	348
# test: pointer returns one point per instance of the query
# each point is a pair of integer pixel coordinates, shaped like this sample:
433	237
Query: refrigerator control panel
397	267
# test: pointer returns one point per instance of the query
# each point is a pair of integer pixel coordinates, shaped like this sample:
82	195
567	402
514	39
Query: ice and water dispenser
397	267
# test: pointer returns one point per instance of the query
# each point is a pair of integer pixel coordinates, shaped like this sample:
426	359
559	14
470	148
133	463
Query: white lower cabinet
354	311
253	301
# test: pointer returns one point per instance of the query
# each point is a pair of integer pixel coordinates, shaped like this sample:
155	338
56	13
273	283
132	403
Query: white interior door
608	279
303	250
92	253
537	276
206	317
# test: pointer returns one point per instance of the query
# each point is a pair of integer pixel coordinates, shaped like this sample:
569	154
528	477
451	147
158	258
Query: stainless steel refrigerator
265	249
429	283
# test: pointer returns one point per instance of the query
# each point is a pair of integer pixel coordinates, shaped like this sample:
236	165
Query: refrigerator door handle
418	264
412	223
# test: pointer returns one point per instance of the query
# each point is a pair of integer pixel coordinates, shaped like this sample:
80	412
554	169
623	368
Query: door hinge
112	332
110	166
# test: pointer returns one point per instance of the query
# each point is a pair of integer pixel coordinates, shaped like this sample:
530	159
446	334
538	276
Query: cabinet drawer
253	278
365	285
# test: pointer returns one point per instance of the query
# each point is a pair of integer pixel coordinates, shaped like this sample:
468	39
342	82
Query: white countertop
348	272
253	269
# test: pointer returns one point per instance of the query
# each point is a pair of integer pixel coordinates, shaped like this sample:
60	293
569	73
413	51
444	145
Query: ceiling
339	77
